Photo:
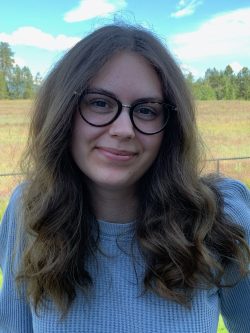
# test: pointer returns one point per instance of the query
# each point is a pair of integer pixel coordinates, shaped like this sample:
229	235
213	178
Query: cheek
84	138
81	132
152	144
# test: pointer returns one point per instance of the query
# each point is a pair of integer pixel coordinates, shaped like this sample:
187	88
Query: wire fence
234	167
219	163
10	174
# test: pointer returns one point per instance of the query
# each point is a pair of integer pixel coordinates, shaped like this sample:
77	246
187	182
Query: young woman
115	229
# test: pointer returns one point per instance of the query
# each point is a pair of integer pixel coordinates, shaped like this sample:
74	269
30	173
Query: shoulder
16	195
234	301
15	315
14	204
10	219
232	188
236	201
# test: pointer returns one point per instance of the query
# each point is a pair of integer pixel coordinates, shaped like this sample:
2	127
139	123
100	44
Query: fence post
218	166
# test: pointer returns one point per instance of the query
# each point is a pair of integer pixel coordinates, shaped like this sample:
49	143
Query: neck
118	206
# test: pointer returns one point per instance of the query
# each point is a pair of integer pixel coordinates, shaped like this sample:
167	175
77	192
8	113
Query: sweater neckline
113	229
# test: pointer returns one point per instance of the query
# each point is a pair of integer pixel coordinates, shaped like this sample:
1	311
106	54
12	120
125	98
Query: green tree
203	91
15	82
21	85
214	78
243	83
229	71
28	83
16	85
190	80
6	67
6	59
3	86
229	83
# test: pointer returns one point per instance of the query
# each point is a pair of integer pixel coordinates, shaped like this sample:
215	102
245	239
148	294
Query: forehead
129	76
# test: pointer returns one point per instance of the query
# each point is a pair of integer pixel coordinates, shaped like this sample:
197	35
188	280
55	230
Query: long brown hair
180	227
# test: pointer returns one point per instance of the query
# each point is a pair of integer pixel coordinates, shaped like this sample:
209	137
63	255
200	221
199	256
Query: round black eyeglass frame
167	107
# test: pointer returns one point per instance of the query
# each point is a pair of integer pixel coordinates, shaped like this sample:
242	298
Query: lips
116	154
117	151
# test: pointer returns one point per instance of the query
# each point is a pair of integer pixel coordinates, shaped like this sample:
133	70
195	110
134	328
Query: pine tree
243	83
15	82
16	85
28	83
6	59
3	86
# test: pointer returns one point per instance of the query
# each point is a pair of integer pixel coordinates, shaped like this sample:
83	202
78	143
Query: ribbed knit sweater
116	302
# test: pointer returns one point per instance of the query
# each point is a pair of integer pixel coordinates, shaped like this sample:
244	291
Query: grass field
224	126
14	120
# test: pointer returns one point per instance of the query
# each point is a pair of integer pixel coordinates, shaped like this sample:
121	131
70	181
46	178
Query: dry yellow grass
225	127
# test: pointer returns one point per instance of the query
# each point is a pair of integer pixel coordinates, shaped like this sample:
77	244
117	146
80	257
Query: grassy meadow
225	129
224	126
14	121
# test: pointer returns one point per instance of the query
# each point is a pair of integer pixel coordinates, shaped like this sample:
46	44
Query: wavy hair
181	229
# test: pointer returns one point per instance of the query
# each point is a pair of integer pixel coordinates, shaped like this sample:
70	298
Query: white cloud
236	66
30	36
89	9
227	34
183	12
189	69
186	7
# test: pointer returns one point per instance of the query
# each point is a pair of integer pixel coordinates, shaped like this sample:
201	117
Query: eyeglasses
101	109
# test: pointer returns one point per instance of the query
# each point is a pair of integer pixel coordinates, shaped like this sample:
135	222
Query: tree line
19	83
15	82
224	84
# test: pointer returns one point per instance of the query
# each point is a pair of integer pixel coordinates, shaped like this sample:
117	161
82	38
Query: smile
116	154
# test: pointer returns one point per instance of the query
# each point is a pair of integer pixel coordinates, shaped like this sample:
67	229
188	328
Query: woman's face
116	156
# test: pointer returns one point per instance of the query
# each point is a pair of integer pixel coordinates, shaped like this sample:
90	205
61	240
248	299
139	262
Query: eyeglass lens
100	110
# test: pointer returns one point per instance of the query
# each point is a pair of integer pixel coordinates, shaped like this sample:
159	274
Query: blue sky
200	33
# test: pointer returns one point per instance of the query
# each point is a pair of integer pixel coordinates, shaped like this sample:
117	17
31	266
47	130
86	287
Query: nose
123	126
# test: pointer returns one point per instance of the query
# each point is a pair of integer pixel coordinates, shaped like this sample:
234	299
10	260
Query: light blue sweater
115	304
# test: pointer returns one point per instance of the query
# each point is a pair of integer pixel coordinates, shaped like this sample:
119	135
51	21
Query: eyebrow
111	94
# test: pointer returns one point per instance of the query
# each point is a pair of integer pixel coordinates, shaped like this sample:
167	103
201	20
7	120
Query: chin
114	184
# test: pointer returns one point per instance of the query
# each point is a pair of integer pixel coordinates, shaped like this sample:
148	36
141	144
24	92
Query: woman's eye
99	104
145	112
